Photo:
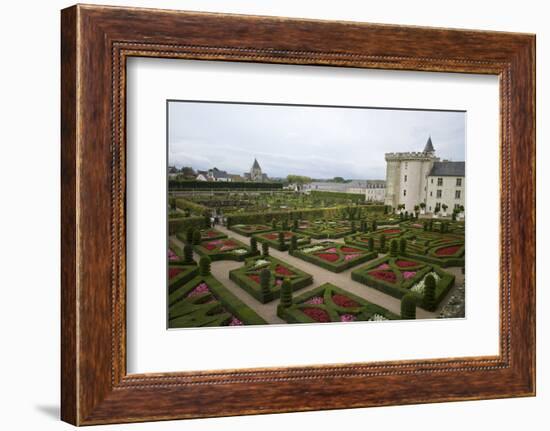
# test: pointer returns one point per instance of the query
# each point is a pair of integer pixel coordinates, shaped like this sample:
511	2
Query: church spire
256	165
429	148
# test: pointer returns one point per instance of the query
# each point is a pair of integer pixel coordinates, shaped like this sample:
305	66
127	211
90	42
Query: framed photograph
280	207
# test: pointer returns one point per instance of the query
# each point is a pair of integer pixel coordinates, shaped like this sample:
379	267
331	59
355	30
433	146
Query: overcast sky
319	142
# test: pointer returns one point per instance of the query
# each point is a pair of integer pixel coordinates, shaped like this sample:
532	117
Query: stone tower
406	176
256	172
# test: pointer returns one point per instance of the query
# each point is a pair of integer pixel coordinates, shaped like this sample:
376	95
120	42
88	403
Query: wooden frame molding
95	42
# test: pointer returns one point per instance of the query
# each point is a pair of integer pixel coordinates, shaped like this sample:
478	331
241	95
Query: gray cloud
321	142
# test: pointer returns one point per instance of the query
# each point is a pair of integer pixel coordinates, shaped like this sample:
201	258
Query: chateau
420	177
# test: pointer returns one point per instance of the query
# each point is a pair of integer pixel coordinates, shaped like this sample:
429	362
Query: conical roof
256	165
429	148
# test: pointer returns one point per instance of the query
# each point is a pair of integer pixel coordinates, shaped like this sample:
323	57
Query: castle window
440	182
432	180
459	182
406	165
405	178
438	195
431	193
457	206
404	192
457	194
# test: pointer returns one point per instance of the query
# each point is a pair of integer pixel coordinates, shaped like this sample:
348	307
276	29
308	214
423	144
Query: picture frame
96	42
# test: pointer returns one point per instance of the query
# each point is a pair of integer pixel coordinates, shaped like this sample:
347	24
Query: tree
293	242
285	224
188	253
281	240
406	215
265	281
299	180
265	249
429	293
189	235
196	237
374	226
444	206
188	172
422	205
403	246
274	224
416	210
296	224
394	247
353	226
408	306
371	243
204	265
425	225
382	243
286	293
173	204
338	180
253	245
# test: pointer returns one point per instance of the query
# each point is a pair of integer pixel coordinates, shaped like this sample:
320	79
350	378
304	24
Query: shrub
394	247
286	293
188	253
285	224
425	225
408	306
196	237
189	235
402	246
406	215
454	216
274	224
253	245
429	293
294	242
204	266
371	243
296	224
382	242
172	204
353	226
374	226
265	279
281	239
265	249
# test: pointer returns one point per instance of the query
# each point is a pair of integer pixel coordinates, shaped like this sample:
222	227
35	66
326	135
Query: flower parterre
223	249
180	273
334	256
329	303
400	275
272	238
206	235
321	229
204	301
437	248
250	229
248	277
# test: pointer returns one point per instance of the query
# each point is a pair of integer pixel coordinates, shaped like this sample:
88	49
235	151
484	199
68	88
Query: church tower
256	172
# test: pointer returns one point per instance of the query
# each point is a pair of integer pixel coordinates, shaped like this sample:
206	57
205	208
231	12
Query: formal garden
288	257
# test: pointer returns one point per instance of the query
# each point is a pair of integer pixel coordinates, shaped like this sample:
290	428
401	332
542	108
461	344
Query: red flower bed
210	246
210	234
230	243
329	257
405	263
271	236
254	277
350	250
392	231
316	314
447	251
388	276
344	301
283	270
172	272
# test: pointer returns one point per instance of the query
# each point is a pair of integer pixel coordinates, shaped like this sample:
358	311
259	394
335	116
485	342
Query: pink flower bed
172	255
388	276
408	274
344	301
317	314
316	300
234	322
383	266
347	318
222	244
448	251
254	277
405	263
331	250
329	257
198	290
349	257
210	234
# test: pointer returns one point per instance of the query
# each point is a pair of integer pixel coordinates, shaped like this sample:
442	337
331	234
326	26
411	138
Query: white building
420	177
374	190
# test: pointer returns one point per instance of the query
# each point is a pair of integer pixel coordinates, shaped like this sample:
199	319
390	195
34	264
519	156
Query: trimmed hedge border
238	229
398	290
221	294
184	223
274	243
339	267
190	271
240	277
364	312
182	236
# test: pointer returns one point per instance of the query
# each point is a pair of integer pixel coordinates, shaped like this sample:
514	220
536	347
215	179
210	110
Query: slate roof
448	169
256	165
429	148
